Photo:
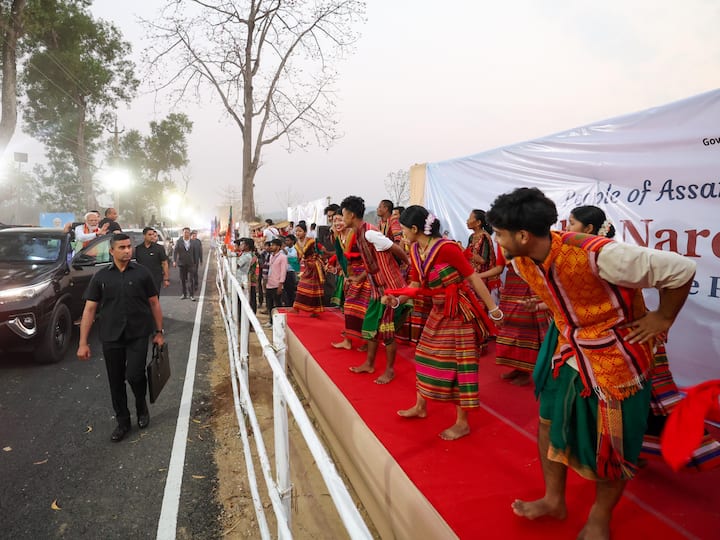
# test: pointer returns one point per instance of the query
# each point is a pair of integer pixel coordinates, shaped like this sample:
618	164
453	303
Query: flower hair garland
429	220
605	228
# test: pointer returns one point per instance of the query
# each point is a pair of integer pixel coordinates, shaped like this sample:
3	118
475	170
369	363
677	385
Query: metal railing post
245	338
280	418
233	291
279	489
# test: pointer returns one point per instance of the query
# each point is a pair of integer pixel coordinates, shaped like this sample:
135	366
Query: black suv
42	281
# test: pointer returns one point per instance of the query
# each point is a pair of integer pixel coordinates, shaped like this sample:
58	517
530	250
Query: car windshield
29	247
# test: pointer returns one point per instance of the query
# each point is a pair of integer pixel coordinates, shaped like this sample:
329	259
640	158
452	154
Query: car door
83	266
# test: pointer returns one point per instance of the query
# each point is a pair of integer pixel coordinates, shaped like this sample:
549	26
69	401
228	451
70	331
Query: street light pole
116	159
19	158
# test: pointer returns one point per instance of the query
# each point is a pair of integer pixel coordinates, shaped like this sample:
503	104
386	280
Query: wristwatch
162	331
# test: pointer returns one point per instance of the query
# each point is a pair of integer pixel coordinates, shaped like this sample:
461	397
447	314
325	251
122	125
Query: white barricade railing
234	302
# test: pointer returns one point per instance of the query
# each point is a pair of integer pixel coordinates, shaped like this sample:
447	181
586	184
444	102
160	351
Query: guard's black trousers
126	359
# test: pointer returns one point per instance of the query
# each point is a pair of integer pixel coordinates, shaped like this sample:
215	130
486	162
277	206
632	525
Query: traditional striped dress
310	288
519	338
414	320
481	244
446	357
392	229
412	329
356	294
383	273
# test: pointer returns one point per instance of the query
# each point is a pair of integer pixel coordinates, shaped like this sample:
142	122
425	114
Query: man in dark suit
185	258
124	296
196	246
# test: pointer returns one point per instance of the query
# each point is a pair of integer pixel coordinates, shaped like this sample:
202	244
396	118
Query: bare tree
270	62
11	21
397	185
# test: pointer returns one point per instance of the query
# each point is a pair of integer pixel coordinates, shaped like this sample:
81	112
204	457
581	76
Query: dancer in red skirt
446	357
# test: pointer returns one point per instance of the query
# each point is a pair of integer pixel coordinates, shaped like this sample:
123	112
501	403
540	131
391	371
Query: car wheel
55	340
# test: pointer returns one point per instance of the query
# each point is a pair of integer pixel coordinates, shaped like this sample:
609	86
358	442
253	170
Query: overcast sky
433	80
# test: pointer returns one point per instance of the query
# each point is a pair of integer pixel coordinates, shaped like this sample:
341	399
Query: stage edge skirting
395	505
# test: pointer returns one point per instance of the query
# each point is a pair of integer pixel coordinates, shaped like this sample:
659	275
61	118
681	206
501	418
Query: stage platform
415	485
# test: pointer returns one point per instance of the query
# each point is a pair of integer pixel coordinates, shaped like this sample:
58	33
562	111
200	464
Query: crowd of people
565	309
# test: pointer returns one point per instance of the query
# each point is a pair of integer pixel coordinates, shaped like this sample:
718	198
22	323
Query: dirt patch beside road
313	512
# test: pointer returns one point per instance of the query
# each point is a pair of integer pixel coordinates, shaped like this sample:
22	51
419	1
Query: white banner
656	174
310	212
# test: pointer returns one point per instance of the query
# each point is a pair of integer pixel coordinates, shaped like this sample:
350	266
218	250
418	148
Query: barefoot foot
386	377
344	344
414	412
364	368
454	432
539	508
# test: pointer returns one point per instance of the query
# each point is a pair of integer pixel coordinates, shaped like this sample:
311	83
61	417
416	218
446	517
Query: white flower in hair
429	220
605	228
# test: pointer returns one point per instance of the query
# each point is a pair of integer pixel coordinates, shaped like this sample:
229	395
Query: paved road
55	425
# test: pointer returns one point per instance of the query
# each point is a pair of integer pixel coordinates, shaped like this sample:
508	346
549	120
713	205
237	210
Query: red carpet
472	481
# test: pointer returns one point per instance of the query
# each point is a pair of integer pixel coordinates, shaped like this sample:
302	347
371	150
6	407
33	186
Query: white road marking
167	524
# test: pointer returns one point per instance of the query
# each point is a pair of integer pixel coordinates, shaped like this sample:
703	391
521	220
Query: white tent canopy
656	173
310	211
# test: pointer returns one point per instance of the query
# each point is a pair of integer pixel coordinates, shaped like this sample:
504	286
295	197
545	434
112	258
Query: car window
29	247
136	238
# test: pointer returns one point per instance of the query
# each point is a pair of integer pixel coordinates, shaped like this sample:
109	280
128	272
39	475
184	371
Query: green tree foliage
131	158
22	24
11	29
166	147
73	80
151	162
57	186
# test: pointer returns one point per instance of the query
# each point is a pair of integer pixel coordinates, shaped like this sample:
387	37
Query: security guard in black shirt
126	301
153	257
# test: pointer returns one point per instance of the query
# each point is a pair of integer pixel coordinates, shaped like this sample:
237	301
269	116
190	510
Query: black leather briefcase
158	370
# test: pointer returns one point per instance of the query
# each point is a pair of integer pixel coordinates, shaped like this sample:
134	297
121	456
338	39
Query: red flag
229	232
684	428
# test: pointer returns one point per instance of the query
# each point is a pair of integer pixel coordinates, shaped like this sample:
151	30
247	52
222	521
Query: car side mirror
82	260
